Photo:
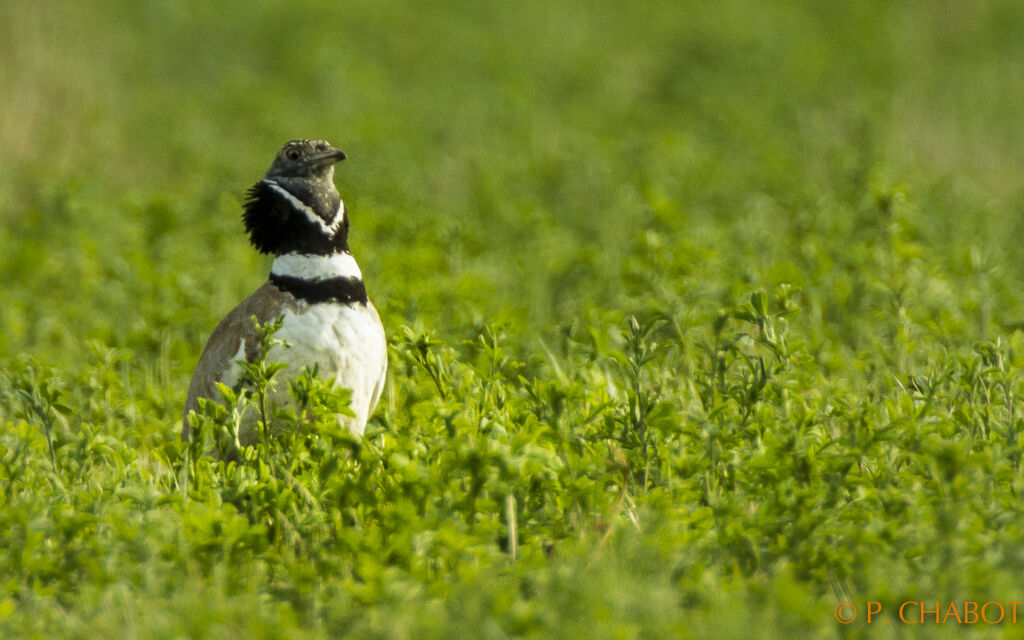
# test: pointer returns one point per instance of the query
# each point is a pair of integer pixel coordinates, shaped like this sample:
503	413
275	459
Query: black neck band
345	289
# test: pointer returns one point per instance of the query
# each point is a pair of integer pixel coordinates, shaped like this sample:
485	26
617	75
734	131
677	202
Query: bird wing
234	338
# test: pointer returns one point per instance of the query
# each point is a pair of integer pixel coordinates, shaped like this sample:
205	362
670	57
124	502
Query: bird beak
327	158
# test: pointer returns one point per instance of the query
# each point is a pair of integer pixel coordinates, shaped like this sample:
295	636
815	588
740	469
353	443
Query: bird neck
319	278
307	266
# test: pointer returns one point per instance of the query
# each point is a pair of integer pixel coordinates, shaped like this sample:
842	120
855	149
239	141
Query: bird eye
292	154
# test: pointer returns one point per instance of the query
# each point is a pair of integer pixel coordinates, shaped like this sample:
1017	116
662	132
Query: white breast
348	343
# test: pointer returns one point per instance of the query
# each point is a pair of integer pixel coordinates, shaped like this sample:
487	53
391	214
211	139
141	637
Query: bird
296	214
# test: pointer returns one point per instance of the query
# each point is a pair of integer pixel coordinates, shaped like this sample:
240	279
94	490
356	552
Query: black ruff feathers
275	226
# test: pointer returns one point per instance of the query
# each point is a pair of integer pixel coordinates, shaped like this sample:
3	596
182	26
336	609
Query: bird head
296	206
308	162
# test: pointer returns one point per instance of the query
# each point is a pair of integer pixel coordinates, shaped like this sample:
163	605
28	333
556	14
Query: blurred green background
506	159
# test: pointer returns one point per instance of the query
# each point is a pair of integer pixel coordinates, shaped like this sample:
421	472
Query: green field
704	318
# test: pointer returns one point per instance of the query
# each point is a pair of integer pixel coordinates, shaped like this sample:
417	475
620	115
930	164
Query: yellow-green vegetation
704	318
